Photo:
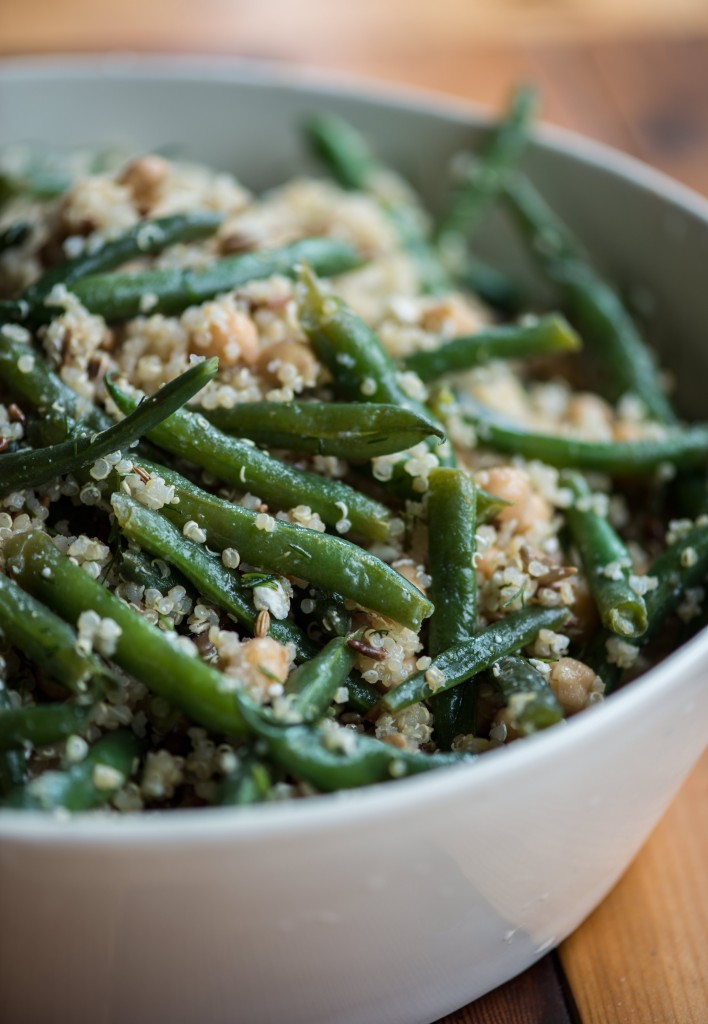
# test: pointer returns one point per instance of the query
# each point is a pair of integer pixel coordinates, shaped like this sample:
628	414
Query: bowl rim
207	825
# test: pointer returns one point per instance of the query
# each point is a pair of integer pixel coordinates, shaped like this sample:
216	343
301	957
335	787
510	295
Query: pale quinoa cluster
264	354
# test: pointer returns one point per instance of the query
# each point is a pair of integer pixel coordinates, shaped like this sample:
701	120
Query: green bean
531	702
329	612
492	285
464	660
46	640
591	303
452	516
686	446
349	430
30	468
355	357
144	239
146	652
14	234
327	561
314	684
39	386
13	765
683	565
312	753
548	335
354	165
122	296
246	467
40	725
204	570
39	180
135	566
250	783
84	786
606	562
483	183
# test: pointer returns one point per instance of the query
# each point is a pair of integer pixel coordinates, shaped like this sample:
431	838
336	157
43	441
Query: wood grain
642	957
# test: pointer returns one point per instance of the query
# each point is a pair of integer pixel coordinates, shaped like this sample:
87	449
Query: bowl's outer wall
413	906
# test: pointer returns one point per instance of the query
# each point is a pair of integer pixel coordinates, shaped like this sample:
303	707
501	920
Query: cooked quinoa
524	557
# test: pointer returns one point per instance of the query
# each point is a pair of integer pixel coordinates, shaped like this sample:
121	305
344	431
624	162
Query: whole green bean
40	725
327	561
30	468
590	301
548	335
122	296
204	570
355	357
146	652
467	659
243	465
144	239
14	234
452	522
315	683
351	161
349	430
492	285
312	753
686	446
89	784
46	640
531	702
498	161
606	562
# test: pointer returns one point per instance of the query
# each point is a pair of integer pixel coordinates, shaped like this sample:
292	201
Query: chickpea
226	332
591	414
503	717
144	177
572	681
513	485
288	353
268	657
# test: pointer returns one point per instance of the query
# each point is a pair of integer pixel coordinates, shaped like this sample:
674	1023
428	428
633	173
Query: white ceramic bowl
396	904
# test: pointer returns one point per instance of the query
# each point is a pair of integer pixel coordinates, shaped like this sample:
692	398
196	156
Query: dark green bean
204	570
351	161
122	296
327	561
686	446
548	335
349	430
312	753
86	785
314	684
485	180
606	562
14	235
135	566
144	239
531	702
30	468
46	640
151	655
492	285
40	725
452	522
246	467
467	659
591	303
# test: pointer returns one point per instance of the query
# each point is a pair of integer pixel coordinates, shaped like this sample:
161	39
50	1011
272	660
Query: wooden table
605	71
